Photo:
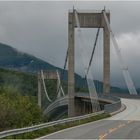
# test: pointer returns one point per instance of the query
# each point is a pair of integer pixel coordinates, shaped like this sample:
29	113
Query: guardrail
58	102
46	125
109	108
109	97
64	101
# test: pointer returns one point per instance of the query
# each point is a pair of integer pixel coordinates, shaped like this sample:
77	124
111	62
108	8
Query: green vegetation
17	111
25	83
22	86
51	129
18	95
18	90
18	98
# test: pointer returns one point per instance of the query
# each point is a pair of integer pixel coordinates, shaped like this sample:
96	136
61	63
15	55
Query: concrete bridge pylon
87	19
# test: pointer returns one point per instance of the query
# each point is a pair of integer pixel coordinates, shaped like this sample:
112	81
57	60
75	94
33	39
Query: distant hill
12	59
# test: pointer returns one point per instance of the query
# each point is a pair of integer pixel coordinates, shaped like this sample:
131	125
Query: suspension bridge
78	104
118	126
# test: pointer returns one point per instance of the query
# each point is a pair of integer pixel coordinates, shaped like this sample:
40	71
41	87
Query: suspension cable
44	86
63	71
124	68
65	64
60	86
90	82
95	44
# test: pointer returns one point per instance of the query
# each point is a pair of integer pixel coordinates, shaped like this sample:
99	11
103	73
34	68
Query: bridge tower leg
39	90
106	61
71	79
47	75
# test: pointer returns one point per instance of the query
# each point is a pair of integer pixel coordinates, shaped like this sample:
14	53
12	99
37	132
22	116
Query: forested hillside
18	111
18	99
12	59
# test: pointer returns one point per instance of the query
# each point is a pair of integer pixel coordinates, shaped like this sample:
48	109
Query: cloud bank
41	28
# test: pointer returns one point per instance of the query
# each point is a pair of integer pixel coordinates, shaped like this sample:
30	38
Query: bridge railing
109	97
114	105
60	101
45	125
114	101
109	108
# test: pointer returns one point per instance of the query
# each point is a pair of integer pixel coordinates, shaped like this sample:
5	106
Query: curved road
125	125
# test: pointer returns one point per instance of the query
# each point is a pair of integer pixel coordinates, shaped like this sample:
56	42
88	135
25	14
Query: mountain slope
12	59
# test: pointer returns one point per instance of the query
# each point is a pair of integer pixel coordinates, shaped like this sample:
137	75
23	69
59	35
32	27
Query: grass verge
51	129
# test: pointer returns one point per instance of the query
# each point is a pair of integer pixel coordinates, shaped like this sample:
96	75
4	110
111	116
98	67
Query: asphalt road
125	125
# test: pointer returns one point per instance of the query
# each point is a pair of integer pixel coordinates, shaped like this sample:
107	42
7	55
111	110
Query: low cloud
129	43
41	28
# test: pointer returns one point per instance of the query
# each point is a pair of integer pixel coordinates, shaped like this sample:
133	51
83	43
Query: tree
17	110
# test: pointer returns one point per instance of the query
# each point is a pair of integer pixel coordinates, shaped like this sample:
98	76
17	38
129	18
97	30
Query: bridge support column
39	90
106	61
71	79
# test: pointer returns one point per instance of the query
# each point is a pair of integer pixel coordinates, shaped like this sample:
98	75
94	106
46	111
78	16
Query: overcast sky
41	29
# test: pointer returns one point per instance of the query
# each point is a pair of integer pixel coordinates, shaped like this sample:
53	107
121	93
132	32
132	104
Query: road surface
125	125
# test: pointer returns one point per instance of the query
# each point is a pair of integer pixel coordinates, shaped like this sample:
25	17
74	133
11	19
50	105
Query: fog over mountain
41	29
